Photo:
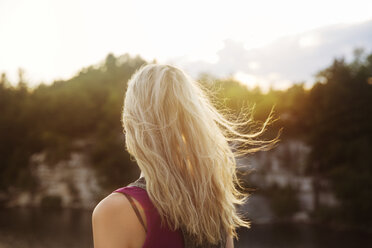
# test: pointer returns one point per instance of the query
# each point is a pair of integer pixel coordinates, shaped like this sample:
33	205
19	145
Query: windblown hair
180	141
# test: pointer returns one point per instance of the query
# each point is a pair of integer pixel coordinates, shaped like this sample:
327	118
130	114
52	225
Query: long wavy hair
187	151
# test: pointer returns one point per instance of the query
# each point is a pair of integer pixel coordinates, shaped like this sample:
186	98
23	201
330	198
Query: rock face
69	183
257	209
285	166
72	183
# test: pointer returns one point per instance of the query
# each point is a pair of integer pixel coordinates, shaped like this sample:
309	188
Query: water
36	228
301	236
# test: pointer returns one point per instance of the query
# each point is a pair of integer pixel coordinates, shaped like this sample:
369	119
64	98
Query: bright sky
55	39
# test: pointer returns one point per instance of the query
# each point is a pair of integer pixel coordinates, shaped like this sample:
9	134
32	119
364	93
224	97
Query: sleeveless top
156	235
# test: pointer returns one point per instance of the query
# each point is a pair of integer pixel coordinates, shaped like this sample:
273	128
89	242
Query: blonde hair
180	142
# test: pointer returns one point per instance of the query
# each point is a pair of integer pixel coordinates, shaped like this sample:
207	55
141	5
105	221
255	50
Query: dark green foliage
50	118
283	200
339	131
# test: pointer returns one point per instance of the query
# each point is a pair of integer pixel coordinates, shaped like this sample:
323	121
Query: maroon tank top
156	236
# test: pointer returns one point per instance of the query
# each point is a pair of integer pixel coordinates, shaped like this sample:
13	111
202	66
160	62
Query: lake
37	228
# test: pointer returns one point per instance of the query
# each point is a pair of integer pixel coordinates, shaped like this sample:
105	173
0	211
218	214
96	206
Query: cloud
294	58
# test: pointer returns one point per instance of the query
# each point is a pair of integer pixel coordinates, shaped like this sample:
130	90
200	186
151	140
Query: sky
266	42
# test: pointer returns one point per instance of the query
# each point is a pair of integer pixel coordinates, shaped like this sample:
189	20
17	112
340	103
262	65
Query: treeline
49	118
334	118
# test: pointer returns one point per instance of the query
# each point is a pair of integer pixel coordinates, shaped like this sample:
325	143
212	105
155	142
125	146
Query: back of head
181	144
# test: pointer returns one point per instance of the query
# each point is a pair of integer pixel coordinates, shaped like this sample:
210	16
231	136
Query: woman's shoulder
112	203
114	222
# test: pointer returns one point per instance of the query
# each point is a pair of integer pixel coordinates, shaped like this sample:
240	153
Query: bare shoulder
111	204
114	223
229	242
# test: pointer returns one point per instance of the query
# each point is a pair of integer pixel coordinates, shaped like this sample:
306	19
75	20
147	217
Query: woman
187	193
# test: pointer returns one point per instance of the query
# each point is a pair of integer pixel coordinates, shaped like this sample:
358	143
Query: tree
339	117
